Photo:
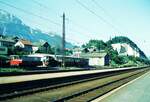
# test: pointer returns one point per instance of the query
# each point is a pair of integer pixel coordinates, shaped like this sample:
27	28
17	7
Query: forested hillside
116	60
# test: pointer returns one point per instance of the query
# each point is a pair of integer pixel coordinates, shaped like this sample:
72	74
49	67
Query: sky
87	19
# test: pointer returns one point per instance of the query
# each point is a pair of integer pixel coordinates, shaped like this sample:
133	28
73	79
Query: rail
11	90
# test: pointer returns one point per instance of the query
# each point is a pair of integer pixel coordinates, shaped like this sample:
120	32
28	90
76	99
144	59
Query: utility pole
63	42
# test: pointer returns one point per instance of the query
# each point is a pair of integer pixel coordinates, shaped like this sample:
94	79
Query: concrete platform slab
135	91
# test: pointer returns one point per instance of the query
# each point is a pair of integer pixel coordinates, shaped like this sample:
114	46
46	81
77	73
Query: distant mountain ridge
10	25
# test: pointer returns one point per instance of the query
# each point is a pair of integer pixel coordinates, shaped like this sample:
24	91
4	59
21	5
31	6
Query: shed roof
93	55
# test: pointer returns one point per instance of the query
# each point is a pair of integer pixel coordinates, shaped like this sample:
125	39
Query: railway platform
88	85
136	91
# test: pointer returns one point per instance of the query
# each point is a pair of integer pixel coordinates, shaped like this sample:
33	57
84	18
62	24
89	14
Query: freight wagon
48	60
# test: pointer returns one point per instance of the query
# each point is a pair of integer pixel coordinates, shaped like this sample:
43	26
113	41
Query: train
48	60
71	61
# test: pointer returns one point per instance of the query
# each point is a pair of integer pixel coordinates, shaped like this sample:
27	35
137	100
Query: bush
12	70
4	60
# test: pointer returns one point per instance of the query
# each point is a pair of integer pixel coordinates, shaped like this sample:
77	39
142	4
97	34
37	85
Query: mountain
125	45
10	25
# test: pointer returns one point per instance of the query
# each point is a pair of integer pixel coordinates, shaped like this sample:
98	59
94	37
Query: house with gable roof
25	45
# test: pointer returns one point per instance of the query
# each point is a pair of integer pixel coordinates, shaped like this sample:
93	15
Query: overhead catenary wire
107	13
43	6
98	16
47	8
28	12
75	31
68	20
35	15
100	7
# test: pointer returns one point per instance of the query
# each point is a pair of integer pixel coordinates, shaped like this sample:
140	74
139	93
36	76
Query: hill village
97	52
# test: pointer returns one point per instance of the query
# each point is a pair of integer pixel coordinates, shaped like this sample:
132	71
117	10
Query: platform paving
136	91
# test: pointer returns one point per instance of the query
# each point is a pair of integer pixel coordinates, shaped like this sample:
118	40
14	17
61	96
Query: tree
46	48
68	52
98	44
85	50
57	50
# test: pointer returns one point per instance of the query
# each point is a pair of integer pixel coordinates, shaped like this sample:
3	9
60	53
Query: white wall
19	44
130	50
96	61
34	49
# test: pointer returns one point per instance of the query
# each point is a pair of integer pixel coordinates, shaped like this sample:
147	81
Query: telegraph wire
58	31
70	21
28	12
107	13
101	8
42	5
98	16
47	8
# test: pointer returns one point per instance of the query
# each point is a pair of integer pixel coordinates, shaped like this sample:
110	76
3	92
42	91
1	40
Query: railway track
73	88
98	90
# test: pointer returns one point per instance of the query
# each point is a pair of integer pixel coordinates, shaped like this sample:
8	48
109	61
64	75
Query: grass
12	70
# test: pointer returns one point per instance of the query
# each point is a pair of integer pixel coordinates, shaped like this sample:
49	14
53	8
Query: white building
97	59
35	48
126	49
77	52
